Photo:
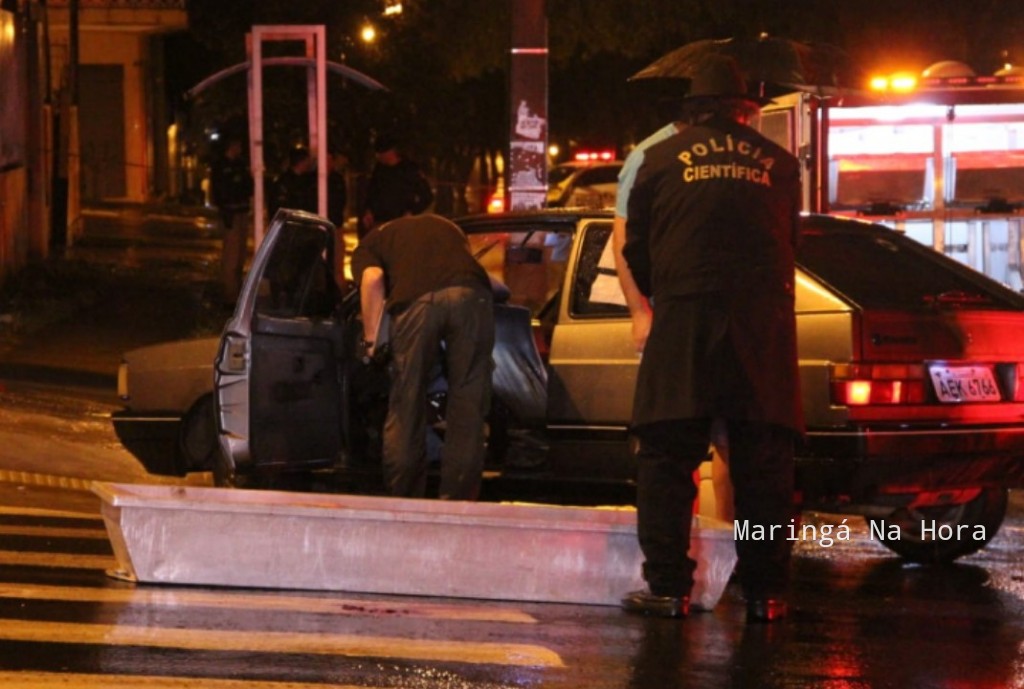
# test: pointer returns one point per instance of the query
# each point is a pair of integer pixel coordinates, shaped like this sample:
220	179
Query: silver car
911	366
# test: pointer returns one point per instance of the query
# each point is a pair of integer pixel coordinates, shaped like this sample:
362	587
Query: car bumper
152	439
877	461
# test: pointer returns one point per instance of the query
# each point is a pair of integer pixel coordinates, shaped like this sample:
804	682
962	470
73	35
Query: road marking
55	680
61	560
30	478
40	512
53	532
226	599
349	645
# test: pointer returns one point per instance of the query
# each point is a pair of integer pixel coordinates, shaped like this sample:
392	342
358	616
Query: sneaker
646	603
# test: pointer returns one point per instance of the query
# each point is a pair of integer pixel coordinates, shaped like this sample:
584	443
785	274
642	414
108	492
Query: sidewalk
67	321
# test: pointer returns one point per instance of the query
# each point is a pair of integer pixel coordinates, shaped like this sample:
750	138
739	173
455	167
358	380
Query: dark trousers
461	318
761	468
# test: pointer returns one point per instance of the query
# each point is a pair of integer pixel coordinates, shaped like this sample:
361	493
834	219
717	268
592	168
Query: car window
598	175
530	263
297	281
887	270
596	290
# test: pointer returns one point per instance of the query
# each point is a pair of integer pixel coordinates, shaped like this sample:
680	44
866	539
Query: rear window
531	263
884	270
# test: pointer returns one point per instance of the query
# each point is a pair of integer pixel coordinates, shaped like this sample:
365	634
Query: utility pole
74	166
526	170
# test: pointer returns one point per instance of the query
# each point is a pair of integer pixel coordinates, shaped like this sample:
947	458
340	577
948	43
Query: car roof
564	215
555	216
824	241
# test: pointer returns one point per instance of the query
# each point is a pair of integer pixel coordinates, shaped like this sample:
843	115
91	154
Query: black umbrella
765	61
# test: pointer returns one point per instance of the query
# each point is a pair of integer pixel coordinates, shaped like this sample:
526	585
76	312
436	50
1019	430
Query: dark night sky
911	34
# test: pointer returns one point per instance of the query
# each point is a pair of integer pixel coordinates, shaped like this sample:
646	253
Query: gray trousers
462	319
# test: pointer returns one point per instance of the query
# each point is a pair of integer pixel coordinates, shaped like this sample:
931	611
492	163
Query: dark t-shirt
231	184
397	190
293	190
419	254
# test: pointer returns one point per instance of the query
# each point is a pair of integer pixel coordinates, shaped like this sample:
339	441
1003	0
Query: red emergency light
594	156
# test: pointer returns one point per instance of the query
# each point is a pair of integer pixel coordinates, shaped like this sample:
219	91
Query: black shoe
646	603
766	610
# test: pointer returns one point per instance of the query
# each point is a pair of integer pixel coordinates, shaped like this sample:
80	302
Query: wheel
942	533
197	441
199	446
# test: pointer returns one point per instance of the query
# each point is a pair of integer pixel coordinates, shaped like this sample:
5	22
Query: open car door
278	373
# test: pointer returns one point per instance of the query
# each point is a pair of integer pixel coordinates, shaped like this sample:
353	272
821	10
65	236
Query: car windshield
530	263
606	174
559	173
885	270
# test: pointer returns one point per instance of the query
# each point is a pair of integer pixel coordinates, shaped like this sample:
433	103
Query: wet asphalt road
861	618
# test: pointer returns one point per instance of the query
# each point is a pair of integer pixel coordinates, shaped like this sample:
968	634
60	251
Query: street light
368	34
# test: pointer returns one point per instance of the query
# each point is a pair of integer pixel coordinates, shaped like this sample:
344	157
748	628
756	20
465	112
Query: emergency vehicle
939	157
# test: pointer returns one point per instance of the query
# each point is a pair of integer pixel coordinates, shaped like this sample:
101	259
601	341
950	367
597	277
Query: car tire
986	510
197	440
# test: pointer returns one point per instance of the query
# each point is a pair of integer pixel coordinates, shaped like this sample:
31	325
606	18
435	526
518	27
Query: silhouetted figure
397	187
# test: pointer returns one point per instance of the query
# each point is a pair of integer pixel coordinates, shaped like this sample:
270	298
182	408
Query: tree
445	61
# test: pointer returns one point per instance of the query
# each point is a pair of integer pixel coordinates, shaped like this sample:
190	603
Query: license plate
964	384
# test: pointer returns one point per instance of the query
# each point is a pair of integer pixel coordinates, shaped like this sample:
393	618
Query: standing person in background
710	239
420	269
397	187
296	186
231	188
337	189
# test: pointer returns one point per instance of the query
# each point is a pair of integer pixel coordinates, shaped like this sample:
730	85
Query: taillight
1017	377
855	385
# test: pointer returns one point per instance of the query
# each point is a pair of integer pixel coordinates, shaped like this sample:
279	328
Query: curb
55	375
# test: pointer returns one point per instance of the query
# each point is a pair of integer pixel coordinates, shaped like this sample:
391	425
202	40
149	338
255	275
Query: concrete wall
120	37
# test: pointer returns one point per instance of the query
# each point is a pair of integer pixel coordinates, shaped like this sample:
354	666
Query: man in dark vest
710	237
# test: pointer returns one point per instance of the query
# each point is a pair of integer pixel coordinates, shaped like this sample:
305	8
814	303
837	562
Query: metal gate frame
315	44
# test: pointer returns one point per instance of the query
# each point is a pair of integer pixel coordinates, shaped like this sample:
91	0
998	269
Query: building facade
90	121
